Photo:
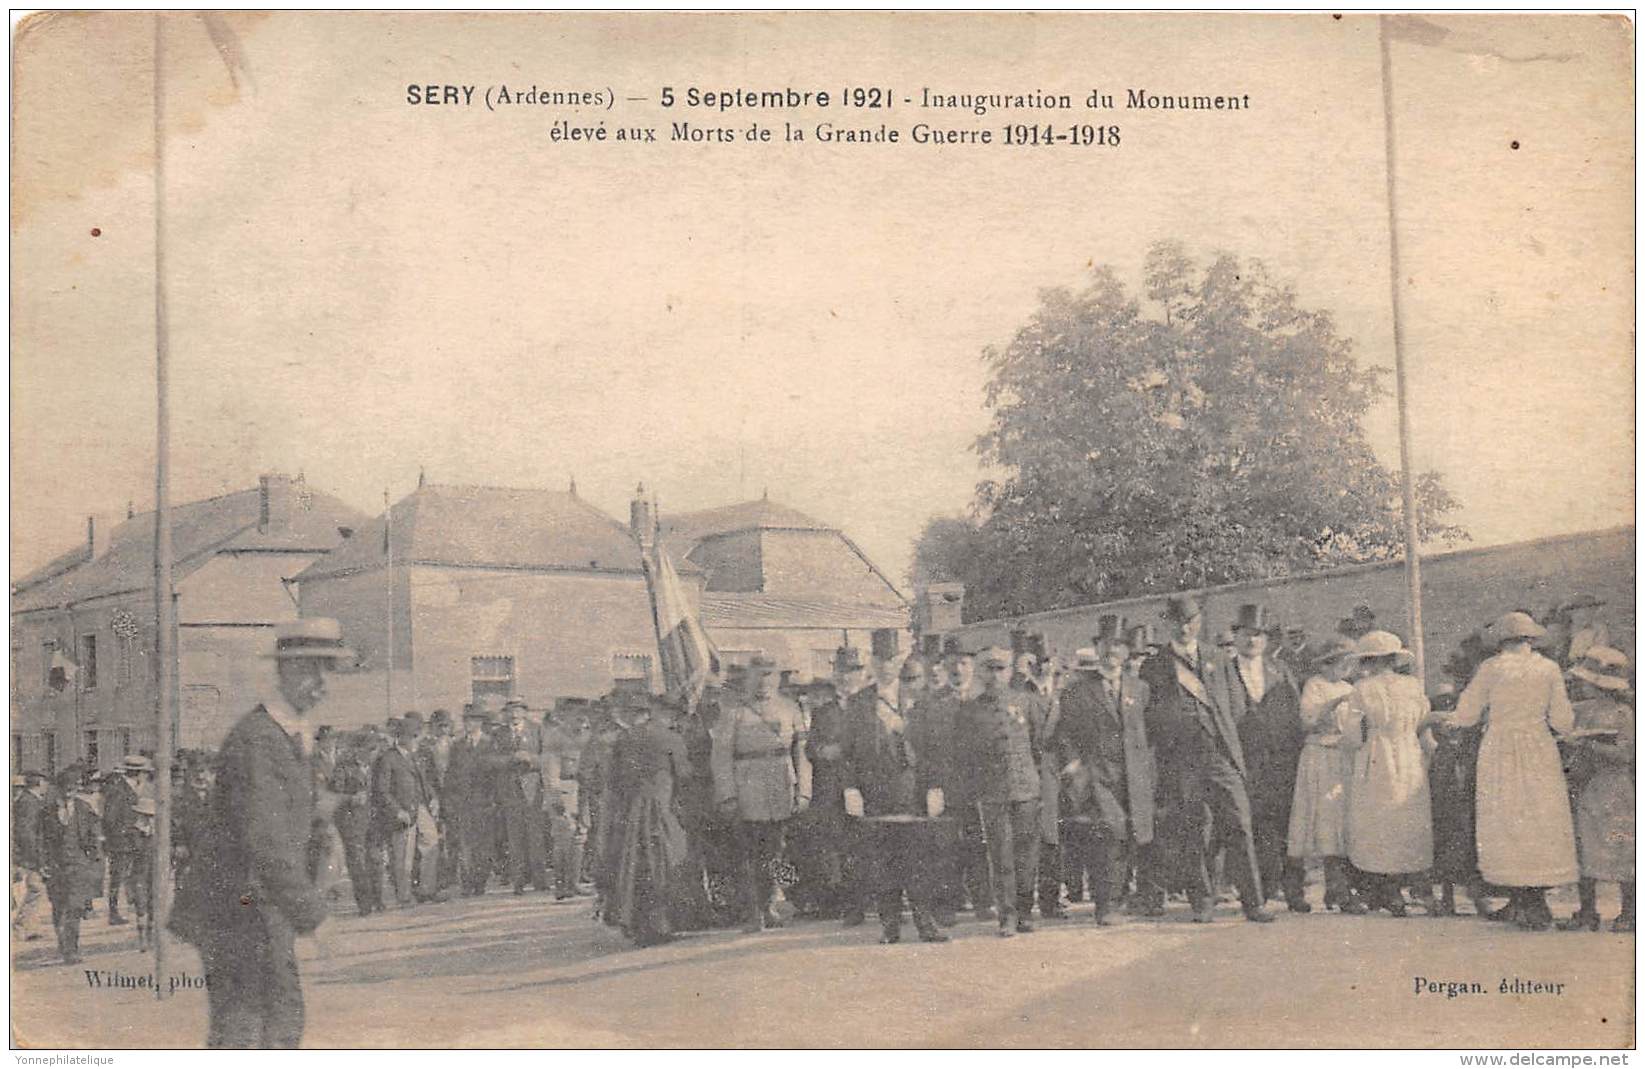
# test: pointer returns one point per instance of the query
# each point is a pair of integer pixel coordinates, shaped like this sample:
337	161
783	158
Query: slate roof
199	530
686	529
771	610
489	526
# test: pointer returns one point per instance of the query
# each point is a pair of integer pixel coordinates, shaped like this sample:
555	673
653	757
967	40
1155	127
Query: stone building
83	682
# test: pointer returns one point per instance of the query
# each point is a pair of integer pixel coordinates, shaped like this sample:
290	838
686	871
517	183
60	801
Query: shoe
71	959
1429	904
1258	915
1204	913
1025	926
853	918
1507	914
891	935
1395	906
1151	909
1534	922
933	936
1353	907
1444	908
115	919
1105	918
770	920
1298	905
1623	923
1579	921
985	913
752	926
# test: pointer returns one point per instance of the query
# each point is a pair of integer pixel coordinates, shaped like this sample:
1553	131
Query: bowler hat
1108	629
516	703
913	668
1181	607
315	637
1251	618
883	643
439	716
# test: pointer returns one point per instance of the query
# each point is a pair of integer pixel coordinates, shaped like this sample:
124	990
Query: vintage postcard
822	530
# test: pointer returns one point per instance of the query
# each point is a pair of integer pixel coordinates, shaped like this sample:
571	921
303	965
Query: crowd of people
998	782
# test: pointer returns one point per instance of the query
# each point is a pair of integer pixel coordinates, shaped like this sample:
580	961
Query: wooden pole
164	606
388	551
1413	555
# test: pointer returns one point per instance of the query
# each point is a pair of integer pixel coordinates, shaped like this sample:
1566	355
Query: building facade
83	667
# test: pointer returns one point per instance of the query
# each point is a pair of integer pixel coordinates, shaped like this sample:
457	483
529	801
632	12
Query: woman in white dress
1319	807
1523	815
1390	832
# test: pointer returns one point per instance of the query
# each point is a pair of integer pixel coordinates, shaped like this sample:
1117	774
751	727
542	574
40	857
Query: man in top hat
882	792
1264	699
517	784
28	857
1106	769
998	764
250	893
120	793
1201	801
1139	642
829	844
762	778
468	805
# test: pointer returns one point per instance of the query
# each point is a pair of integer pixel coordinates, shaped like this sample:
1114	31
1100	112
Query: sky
361	290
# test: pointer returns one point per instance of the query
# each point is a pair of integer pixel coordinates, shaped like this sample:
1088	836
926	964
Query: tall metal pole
164	607
1413	556
388	552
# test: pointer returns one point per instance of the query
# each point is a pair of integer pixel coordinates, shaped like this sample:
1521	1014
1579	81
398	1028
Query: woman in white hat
1319	806
1605	798
1523	816
1390	832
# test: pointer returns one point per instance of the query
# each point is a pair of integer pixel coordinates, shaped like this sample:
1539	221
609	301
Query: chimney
940	608
97	535
275	503
642	521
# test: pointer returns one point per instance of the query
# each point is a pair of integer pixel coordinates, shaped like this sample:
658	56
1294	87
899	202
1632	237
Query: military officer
998	759
762	778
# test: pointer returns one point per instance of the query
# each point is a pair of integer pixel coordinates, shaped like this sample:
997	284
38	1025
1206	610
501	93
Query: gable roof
199	530
488	526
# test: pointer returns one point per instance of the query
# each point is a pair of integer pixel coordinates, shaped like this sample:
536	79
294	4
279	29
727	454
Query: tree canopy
1206	432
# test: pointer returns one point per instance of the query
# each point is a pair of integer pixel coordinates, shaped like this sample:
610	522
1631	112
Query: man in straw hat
762	778
251	893
1201	794
1106	771
120	794
1261	695
1523	817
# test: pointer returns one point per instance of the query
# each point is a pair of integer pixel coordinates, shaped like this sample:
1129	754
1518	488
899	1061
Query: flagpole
164	607
1413	556
388	551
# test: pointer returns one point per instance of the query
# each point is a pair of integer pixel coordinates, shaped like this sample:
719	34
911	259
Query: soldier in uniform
762	778
1201	794
998	762
1106	769
250	893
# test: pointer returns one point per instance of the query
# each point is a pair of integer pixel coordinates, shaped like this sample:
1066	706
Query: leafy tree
1207	433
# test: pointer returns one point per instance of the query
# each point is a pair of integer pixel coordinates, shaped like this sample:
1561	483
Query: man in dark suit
1201	792
251	893
1263	698
400	813
120	830
72	838
998	764
517	785
828	836
1107	771
28	856
468	805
